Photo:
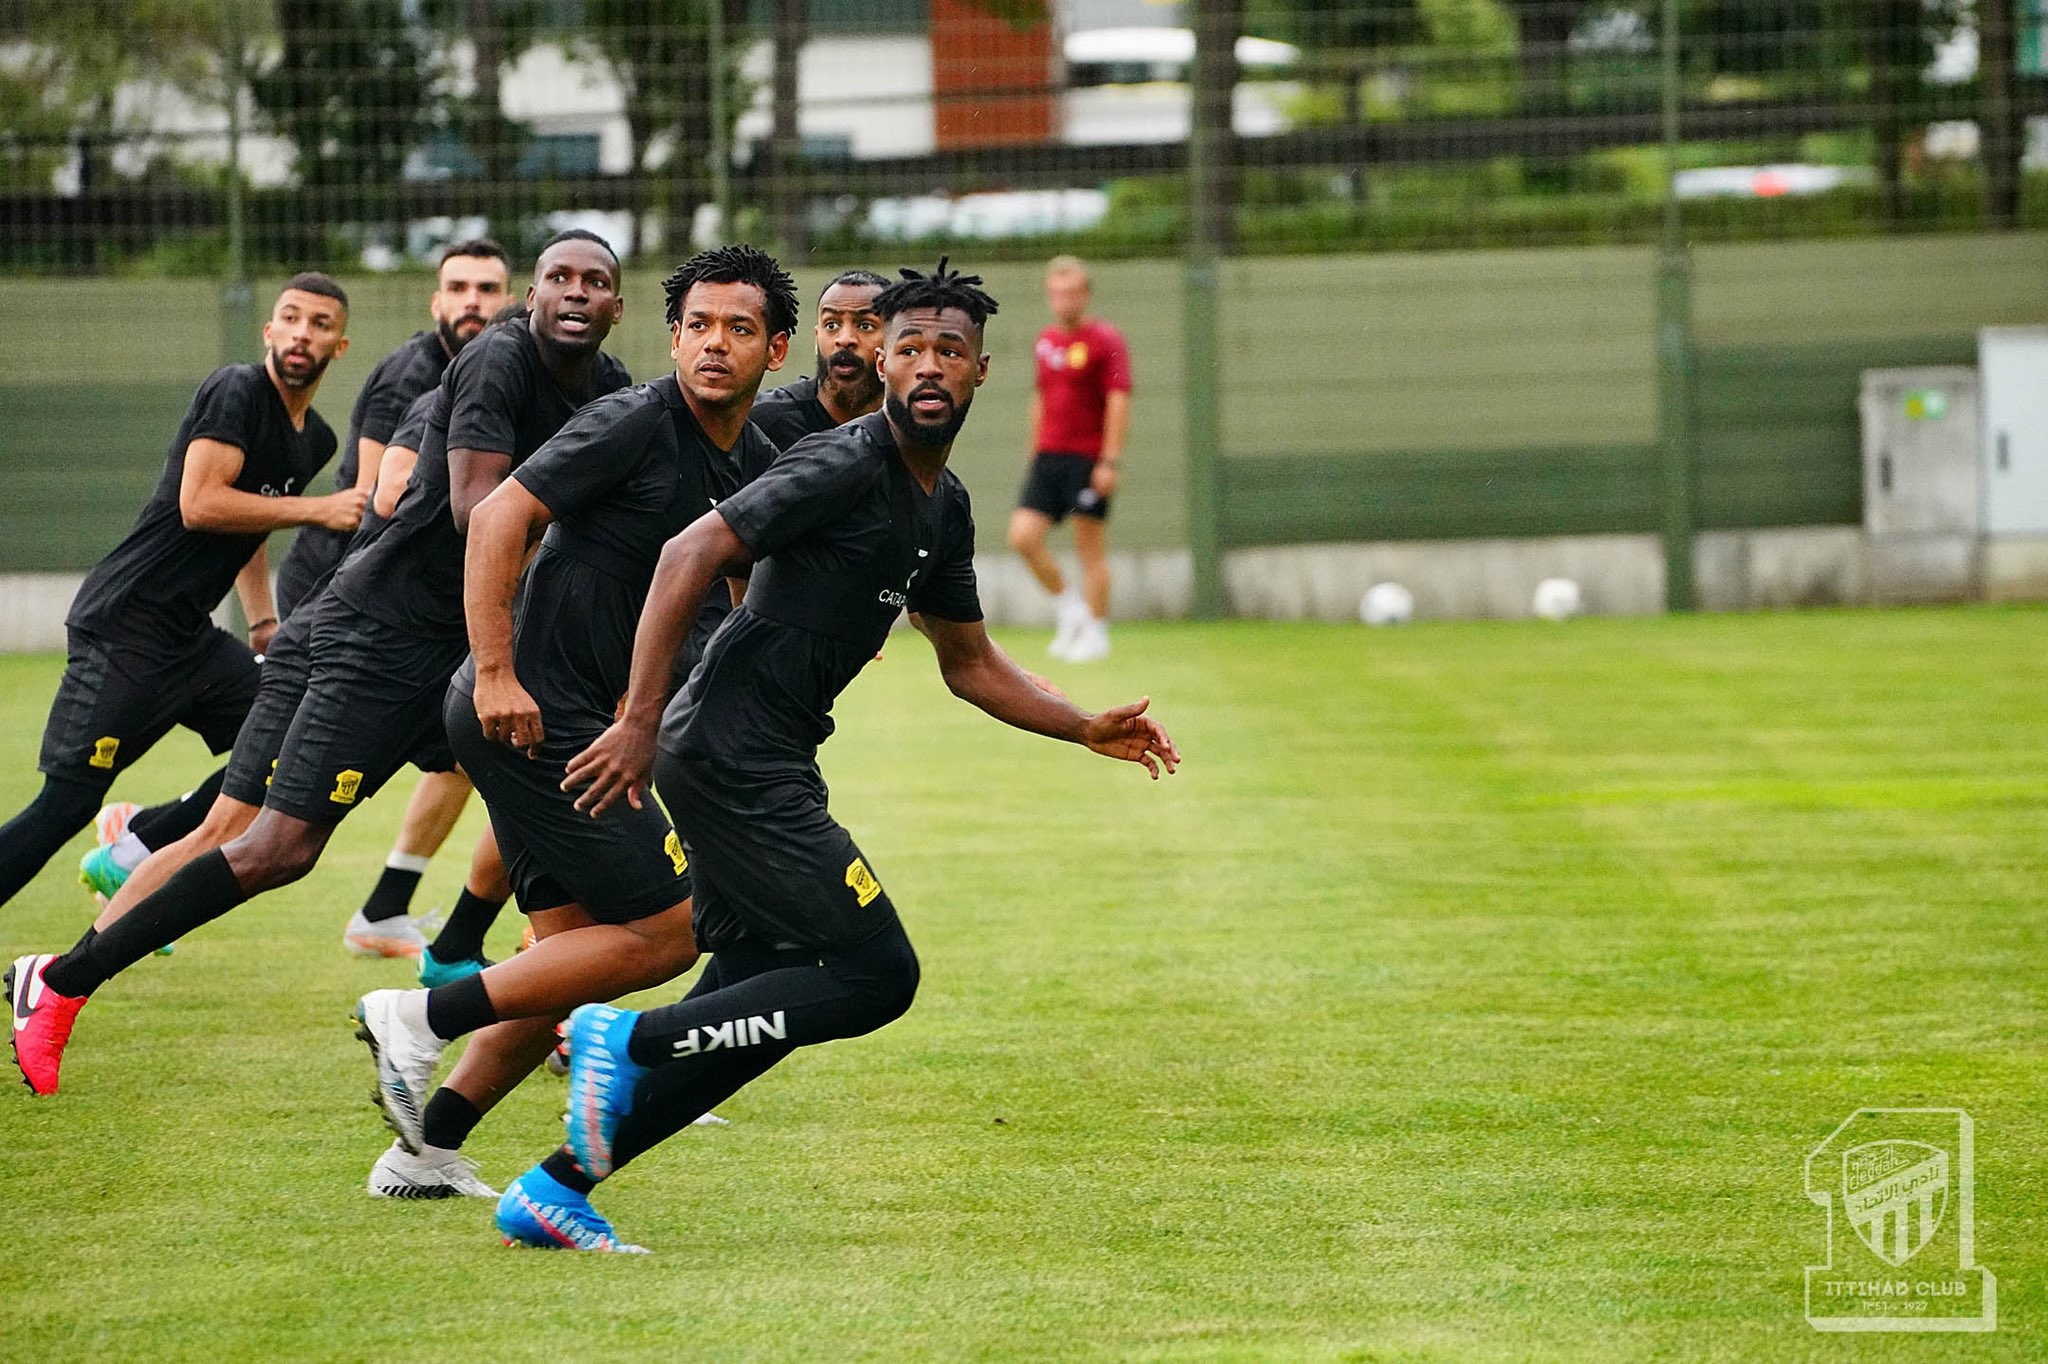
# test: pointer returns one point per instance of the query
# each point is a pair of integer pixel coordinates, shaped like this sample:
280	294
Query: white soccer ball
1557	599
1387	604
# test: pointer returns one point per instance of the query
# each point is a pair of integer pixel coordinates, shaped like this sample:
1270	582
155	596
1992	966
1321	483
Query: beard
934	434
856	392
452	339
300	381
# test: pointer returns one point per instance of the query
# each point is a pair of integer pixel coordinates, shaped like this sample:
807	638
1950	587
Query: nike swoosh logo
24	1007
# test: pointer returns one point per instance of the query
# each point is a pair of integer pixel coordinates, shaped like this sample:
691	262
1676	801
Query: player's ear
618	309
341	348
981	371
675	342
778	349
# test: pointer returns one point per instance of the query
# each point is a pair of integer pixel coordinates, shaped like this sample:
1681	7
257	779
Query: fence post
1675	360
1212	79
237	300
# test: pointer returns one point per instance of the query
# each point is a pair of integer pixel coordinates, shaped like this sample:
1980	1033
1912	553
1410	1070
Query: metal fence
358	133
1718	210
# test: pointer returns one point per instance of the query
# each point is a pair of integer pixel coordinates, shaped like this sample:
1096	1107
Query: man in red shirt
1080	415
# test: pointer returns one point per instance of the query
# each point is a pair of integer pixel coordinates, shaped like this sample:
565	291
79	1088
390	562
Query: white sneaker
1092	644
404	1057
1073	619
112	821
399	937
432	1174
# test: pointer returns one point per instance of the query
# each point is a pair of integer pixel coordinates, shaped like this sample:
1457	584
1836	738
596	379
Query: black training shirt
498	397
397	381
843	539
625	475
787	414
161	583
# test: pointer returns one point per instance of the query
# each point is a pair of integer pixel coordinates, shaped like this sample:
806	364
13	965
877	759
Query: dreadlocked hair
736	265
942	288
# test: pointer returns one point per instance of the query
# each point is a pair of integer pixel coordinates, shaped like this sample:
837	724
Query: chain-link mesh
372	129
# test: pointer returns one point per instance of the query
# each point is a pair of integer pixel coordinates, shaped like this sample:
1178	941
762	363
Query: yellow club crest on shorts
103	750
346	783
862	882
673	846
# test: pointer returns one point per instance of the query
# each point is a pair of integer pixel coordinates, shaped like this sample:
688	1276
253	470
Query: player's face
471	289
575	296
721	344
305	333
1066	294
931	365
849	336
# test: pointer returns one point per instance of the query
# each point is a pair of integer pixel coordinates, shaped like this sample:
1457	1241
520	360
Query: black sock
459	1008
562	1166
449	1119
162	825
462	937
795	997
32	838
75	974
391	897
203	890
705	1048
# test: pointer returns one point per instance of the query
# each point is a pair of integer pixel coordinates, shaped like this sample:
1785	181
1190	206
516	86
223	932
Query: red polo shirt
1078	369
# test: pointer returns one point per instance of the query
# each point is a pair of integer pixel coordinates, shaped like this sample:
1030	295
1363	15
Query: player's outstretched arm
500	529
979	672
617	763
208	499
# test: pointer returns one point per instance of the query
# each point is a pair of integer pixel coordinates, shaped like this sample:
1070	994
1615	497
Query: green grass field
1475	993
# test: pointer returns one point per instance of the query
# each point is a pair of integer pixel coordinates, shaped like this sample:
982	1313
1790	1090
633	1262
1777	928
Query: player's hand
1126	732
260	636
1103	480
340	511
508	713
614	765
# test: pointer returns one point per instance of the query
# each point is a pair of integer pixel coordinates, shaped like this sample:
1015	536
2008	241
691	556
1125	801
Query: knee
265	861
227	819
893	979
669	949
1024	536
70	805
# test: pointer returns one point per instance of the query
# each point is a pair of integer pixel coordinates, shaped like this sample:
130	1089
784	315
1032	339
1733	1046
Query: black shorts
286	668
372	705
770	863
1061	484
624	866
117	699
314	553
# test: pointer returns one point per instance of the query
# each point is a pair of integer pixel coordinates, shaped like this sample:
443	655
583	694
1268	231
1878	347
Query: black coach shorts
626	865
314	553
286	667
1058	485
372	705
769	862
117	699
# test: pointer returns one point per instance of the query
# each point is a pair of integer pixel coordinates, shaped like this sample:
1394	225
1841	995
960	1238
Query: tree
659	52
350	88
2002	119
78	54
